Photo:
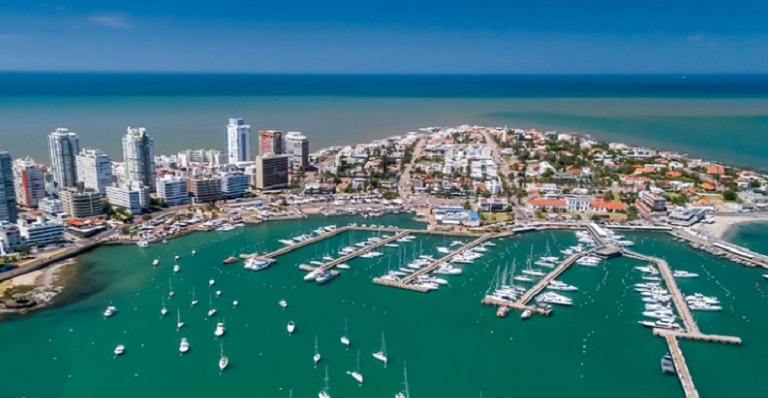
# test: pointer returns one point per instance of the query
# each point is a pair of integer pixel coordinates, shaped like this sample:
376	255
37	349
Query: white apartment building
139	157
51	206
131	196
211	157
234	183
41	231
173	190
238	141
297	149
63	146
94	170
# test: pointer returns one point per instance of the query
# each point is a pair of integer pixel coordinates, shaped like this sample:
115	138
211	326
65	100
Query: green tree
467	205
729	194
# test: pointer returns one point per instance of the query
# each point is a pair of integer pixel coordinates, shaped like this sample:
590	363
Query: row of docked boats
656	299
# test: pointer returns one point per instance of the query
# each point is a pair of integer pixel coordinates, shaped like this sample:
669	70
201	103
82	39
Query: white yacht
345	336
184	346
283	303
211	282
256	264
312	275
684	274
553	298
219	329
176	268
356	374
155	262
291	327
382	355
557	285
143	243
526	314
119	350
223	359
343	266
443	250
287	242
111	310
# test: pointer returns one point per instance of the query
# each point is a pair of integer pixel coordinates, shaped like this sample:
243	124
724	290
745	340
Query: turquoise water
752	236
721	117
453	345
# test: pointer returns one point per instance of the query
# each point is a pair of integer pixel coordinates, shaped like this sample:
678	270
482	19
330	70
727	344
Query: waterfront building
139	157
238	141
686	216
81	202
271	172
94	169
270	142
210	157
234	183
173	190
8	210
10	237
132	196
41	232
50	206
651	201
29	182
63	146
297	149
205	188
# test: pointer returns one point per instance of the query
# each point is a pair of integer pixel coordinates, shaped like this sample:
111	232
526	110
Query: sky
394	36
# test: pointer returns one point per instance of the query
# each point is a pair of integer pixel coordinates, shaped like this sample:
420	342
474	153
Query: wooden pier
309	268
710	338
309	241
544	282
515	305
683	373
400	285
447	257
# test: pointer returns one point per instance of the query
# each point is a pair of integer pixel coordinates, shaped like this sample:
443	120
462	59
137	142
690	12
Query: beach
723	225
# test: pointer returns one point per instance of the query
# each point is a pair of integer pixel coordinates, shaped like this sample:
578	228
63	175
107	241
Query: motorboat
283	303
256	264
291	327
219	329
343	266
218	293
287	242
111	310
557	285
502	311
698	297
443	250
229	260
223	359
324	277
701	306
119	350
143	244
526	314
684	274
211	282
235	303
155	262
176	268
312	275
554	298
176	258
668	365
184	346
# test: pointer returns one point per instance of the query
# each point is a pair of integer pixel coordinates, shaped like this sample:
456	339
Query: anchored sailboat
345	337
404	394
356	374
382	355
317	357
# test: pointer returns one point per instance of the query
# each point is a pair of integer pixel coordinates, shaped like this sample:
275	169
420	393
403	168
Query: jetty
515	305
306	242
431	266
681	368
544	282
350	256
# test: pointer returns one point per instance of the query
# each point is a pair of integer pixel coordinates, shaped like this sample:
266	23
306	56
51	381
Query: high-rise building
132	196
211	157
8	210
234	183
81	202
238	141
270	142
271	172
297	149
29	180
173	190
63	146
139	157
94	169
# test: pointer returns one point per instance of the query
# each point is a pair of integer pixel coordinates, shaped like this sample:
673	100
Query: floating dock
515	305
683	373
544	282
447	257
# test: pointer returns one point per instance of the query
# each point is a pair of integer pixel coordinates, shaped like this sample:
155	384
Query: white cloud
114	21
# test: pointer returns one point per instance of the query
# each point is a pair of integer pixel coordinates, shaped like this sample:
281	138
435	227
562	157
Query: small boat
502	311
312	275
211	311
668	365
176	268
343	266
765	276
119	350
526	314
324	392
345	336
404	394
291	327
317	356
324	277
684	274
229	260
184	346
211	282
382	355
218	293
219	329
143	244
194	252
235	303
176	258
164	310
283	303
165	241
170	289
194	301
356	374
223	360
179	323
111	310
155	262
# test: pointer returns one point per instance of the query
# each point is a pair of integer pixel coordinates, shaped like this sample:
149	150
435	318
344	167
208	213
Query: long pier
541	284
303	243
342	259
447	257
515	305
677	297
683	373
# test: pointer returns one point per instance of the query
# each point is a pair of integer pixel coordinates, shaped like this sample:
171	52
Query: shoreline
725	227
47	284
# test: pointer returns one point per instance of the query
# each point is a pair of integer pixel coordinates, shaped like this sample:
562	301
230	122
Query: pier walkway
515	305
429	268
541	284
677	297
342	259
683	373
298	245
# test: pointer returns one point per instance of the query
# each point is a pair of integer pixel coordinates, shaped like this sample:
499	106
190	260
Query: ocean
453	345
718	117
750	235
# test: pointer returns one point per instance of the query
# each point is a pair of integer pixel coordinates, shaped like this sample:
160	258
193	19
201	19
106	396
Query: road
405	184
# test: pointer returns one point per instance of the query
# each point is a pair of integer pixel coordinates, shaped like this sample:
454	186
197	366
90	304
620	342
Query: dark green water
753	236
454	346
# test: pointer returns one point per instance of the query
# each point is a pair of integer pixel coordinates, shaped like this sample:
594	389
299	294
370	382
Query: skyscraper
63	146
297	149
238	141
94	169
270	142
8	211
29	180
271	172
139	157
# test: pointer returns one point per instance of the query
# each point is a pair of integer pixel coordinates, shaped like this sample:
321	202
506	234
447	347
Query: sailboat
382	355
170	289
404	394
164	310
317	357
345	337
324	392
356	374
194	301
223	360
212	310
179	323
219	329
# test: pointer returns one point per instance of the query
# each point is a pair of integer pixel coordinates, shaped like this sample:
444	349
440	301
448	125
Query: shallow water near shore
453	345
753	236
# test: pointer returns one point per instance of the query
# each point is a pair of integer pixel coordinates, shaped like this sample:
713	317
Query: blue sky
395	36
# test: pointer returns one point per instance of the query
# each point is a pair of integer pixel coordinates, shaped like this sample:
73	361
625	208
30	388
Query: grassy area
496	217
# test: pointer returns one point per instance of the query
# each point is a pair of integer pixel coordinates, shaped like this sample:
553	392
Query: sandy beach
724	223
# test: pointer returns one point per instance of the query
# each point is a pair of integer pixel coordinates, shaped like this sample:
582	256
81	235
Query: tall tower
63	146
94	169
8	210
297	149
270	142
29	180
238	141
139	157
